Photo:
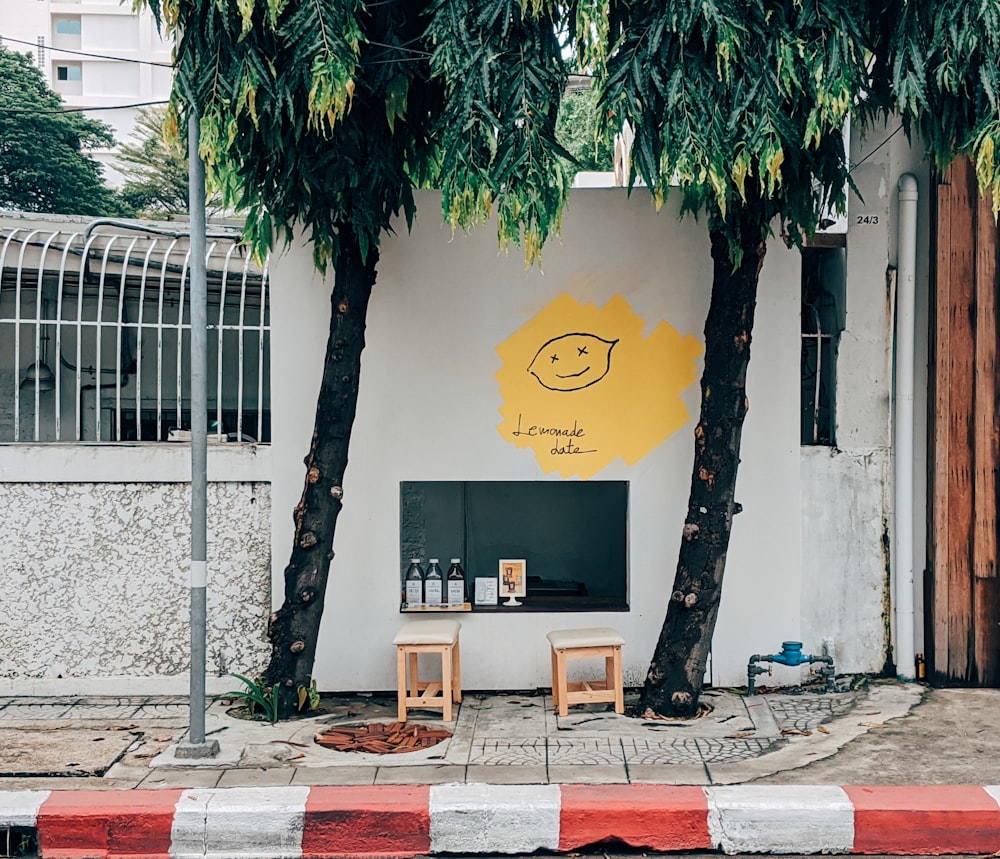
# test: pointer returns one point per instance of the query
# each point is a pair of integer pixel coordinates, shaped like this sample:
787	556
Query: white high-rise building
95	54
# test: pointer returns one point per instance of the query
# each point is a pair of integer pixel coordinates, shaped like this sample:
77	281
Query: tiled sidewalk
499	738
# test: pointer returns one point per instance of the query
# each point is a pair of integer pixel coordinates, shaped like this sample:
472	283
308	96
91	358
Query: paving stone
657	752
256	777
444	774
502	751
77	783
182	777
268	755
588	774
166	710
67	751
582	752
807	710
31	712
510	717
676	774
730	750
345	775
500	774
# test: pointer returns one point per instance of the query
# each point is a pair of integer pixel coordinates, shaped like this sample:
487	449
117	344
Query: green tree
742	104
155	166
324	116
580	130
44	165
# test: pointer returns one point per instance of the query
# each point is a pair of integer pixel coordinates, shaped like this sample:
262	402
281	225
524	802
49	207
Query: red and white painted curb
391	821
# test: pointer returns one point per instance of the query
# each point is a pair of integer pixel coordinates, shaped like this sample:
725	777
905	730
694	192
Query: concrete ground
951	736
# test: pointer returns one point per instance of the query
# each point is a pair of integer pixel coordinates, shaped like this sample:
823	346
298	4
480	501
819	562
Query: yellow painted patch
582	385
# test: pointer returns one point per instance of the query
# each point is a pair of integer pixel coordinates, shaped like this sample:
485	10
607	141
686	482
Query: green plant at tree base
308	697
254	696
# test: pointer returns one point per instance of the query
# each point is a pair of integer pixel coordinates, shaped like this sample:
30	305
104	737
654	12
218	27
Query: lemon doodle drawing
572	362
582	386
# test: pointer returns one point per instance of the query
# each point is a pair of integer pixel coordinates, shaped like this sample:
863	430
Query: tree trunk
294	629
673	684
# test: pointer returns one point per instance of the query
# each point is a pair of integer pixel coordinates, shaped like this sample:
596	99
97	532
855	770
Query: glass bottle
456	583
414	584
433	584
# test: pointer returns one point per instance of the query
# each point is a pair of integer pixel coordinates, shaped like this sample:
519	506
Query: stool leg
457	671
401	684
447	657
555	680
414	675
561	672
619	691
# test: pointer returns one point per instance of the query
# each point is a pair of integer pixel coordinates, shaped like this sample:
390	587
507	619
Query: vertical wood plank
986	593
936	584
985	443
961	313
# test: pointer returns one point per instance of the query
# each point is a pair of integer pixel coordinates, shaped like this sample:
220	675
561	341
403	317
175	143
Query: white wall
428	410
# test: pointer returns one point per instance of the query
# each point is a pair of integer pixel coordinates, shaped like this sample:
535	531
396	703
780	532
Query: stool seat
600	642
437	638
598	636
428	632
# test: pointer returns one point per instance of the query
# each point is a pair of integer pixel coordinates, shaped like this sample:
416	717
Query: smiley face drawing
572	362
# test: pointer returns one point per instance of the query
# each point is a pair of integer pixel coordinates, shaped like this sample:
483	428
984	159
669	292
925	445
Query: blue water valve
791	654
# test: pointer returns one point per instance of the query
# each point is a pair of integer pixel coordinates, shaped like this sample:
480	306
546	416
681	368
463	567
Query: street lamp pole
196	746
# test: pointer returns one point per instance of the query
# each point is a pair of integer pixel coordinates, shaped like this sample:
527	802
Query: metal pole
196	747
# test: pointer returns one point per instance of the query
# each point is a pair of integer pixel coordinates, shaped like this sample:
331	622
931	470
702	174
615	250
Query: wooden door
962	589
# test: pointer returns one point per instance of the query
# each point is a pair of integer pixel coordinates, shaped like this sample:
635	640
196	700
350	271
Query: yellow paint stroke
582	386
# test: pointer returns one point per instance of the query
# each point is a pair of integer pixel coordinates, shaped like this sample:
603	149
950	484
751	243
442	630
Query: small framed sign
513	579
486	591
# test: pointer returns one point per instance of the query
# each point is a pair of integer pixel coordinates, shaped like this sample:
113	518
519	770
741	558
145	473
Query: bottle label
432	591
456	592
414	592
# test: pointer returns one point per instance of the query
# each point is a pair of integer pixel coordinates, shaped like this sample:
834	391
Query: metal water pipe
791	654
906	265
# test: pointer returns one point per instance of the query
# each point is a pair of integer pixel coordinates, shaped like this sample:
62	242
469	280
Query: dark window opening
573	536
230	428
823	319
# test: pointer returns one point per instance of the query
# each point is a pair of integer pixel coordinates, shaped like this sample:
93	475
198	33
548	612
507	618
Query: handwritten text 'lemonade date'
567	439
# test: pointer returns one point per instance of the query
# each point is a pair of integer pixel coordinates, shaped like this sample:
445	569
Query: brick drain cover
381	738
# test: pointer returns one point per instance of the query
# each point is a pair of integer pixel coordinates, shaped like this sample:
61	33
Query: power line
85	53
876	149
42	112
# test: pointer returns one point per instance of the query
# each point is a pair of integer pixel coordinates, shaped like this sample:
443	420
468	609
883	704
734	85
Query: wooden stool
578	643
428	636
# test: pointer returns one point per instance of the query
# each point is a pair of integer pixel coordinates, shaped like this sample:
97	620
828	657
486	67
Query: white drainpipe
903	429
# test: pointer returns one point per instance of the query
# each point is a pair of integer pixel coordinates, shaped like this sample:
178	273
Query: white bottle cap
434	560
455	560
414	560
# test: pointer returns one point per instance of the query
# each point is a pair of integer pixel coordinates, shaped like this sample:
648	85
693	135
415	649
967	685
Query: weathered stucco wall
94	578
847	516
